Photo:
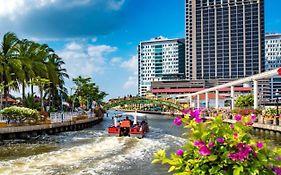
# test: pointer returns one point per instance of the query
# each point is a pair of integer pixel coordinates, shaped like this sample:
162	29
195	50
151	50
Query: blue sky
99	38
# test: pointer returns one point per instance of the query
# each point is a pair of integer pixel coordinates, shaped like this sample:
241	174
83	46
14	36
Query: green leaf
155	161
172	168
237	170
213	157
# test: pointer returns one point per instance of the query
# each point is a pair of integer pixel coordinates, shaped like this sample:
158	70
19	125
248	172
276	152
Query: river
91	151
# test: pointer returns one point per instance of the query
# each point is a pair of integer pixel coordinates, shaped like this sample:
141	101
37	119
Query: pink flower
204	151
199	143
211	145
179	152
249	123
195	113
198	120
238	117
231	126
235	134
220	140
185	111
177	121
253	117
277	170
259	145
278	158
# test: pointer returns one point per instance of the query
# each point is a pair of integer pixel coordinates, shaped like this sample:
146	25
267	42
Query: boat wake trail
98	155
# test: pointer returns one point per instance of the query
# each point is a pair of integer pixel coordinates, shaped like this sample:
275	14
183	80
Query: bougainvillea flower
211	145
249	123
220	140
204	151
198	120
179	152
253	117
243	152
238	117
199	143
177	121
185	111
259	145
195	113
277	170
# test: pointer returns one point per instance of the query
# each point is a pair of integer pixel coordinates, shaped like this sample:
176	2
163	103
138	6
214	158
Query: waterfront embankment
23	132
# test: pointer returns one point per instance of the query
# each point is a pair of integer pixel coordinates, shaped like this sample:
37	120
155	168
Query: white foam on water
64	157
103	156
142	151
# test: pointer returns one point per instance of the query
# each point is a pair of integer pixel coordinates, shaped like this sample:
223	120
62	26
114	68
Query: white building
160	59
273	61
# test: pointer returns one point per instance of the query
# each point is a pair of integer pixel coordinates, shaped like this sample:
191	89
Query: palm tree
25	50
10	66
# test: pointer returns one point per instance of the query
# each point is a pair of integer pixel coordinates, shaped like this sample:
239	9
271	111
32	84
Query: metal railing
58	117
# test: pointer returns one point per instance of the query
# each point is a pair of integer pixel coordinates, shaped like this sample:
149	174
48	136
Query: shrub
216	147
20	114
244	101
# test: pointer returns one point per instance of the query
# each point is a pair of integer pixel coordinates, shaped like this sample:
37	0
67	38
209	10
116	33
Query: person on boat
131	122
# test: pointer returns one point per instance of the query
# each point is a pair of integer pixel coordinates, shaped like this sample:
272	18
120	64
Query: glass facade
229	38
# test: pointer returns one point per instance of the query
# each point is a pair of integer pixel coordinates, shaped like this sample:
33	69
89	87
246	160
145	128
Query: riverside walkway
273	129
23	132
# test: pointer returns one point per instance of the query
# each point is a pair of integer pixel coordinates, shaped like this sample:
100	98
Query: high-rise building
224	38
273	61
160	59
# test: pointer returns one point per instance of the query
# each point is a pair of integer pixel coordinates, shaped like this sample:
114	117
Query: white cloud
85	60
131	64
115	60
73	46
131	83
14	8
56	18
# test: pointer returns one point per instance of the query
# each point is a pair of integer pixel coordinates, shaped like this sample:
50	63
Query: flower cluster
216	147
243	152
277	170
177	121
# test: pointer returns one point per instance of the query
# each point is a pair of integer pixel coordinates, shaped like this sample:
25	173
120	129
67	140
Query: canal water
91	151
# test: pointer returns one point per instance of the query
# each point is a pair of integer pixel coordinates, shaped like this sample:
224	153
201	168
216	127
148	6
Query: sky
99	38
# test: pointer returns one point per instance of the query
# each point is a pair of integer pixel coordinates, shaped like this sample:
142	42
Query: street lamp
277	100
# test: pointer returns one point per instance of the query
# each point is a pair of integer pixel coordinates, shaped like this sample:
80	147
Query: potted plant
269	115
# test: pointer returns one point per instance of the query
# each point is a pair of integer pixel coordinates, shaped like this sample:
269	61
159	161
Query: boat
129	124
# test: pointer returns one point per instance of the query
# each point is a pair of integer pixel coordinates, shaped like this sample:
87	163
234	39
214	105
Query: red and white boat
129	124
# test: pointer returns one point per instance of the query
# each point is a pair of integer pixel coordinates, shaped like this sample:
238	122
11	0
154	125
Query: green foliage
245	101
20	114
24	61
30	102
220	159
87	91
270	112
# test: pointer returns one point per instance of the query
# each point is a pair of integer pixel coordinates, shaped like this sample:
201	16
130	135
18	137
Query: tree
87	91
244	101
25	62
10	66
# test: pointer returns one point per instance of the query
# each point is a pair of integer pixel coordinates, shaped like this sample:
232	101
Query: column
232	96
217	99
198	101
190	101
206	100
255	94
